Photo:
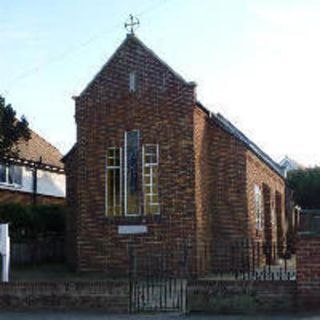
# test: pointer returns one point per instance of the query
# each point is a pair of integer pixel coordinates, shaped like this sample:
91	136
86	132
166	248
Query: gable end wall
164	116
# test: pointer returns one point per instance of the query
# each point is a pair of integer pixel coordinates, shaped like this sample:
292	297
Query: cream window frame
113	168
151	166
258	209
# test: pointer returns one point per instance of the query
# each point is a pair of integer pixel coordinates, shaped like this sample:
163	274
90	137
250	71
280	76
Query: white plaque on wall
133	229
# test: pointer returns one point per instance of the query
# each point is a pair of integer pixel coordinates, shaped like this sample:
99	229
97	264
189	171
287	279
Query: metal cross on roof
132	24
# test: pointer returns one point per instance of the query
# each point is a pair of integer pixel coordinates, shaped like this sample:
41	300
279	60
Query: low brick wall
241	297
308	270
110	296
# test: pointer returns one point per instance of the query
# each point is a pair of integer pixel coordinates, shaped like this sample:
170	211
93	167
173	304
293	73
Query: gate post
5	250
308	264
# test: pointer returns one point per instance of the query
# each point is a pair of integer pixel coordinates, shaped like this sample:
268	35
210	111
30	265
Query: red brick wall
308	270
220	191
111	296
271	185
229	205
204	176
226	172
203	189
8	196
242	297
164	115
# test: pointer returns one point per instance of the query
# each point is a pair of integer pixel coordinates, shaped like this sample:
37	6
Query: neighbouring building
35	176
287	164
153	168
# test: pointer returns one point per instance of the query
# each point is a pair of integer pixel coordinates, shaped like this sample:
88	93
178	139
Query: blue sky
255	61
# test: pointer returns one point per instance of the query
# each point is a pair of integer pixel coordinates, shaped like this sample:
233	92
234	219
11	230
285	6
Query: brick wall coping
54	282
241	297
292	283
111	296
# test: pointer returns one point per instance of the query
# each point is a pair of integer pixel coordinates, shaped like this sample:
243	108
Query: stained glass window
131	172
127	199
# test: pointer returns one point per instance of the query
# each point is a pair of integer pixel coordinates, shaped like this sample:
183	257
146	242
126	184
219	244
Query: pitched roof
38	148
240	136
132	37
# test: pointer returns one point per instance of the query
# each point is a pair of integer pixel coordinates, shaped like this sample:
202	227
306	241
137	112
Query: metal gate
158	295
156	283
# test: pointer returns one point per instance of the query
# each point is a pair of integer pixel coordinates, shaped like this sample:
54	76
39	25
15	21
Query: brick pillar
308	270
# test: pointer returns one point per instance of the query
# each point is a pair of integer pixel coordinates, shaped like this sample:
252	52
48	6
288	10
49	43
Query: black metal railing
247	260
159	262
253	260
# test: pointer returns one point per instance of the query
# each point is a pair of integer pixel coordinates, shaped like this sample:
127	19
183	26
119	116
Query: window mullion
143	181
114	190
125	175
151	184
120	177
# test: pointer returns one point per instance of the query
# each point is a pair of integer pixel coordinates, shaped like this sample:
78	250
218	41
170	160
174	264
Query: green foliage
305	184
32	222
11	129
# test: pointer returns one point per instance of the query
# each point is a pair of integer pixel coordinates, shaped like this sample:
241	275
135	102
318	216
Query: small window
3	173
258	207
150	179
113	183
15	175
132	82
11	175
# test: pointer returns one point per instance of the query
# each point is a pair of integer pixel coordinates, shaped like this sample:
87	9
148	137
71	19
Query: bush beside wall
28	222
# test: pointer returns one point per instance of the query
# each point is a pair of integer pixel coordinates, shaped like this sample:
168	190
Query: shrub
305	184
32	221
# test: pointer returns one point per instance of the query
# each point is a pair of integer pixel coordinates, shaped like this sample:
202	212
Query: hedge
32	221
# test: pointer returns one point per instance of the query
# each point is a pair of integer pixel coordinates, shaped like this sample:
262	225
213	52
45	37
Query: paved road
45	315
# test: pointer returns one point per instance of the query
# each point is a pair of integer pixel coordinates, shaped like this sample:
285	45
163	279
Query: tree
12	129
305	184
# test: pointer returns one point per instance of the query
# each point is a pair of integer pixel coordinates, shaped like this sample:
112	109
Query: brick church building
152	168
